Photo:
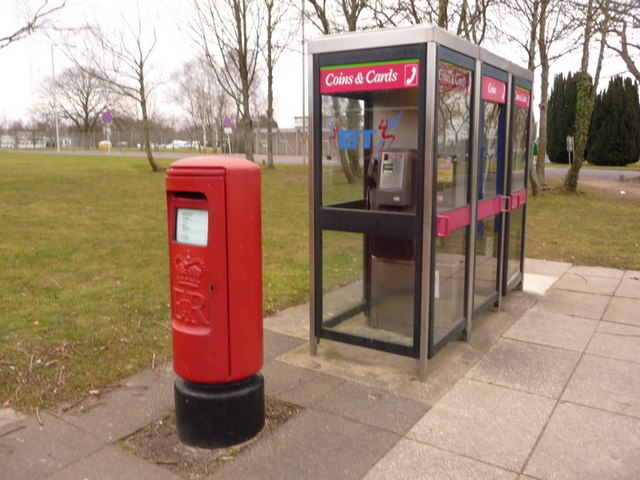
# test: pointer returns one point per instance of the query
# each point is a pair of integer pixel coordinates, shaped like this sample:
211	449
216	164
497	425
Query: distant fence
286	141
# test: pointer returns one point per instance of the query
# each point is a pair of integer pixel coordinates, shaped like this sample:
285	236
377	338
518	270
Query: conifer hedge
614	134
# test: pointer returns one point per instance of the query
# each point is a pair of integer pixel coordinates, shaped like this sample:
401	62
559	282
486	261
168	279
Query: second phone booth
419	155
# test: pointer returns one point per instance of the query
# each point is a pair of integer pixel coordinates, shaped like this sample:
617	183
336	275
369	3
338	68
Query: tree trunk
270	164
346	167
146	136
542	139
344	159
624	53
247	135
544	92
354	116
584	108
536	187
443	13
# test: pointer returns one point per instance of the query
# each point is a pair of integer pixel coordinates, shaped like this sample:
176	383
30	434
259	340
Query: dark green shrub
614	135
561	115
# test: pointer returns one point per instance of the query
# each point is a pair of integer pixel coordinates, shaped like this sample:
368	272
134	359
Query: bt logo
350	139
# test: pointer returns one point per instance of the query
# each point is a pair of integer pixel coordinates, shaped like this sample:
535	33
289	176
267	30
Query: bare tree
540	27
36	130
469	20
350	17
553	27
336	16
201	97
592	18
228	33
278	36
81	97
624	25
33	21
15	130
122	59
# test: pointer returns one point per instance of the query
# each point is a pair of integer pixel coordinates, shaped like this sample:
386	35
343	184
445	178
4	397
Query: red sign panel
370	76
523	98
454	79
494	90
106	117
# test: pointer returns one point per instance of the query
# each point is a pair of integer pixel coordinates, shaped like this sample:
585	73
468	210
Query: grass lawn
631	166
83	264
584	228
84	270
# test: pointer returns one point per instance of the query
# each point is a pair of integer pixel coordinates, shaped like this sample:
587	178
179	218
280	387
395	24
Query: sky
26	63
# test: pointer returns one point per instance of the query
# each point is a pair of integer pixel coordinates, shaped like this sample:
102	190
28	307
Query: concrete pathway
546	388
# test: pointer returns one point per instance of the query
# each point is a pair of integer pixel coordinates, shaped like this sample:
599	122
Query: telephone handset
372	170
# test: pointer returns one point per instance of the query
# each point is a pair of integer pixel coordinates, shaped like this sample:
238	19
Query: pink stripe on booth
452	220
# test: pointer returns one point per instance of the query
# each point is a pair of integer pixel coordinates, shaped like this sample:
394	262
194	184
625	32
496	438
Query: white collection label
192	226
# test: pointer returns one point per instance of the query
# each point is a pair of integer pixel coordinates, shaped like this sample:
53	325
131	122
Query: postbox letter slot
190	195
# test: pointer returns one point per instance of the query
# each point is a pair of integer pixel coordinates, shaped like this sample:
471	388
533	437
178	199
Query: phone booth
419	144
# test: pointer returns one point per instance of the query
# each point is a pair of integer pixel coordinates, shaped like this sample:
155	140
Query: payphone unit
393	180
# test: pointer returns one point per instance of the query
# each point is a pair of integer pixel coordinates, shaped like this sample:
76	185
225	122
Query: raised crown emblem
190	270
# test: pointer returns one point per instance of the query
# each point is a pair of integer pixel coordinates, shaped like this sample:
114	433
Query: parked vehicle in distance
178	144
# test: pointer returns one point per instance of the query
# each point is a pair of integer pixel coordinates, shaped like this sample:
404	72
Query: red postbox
215	267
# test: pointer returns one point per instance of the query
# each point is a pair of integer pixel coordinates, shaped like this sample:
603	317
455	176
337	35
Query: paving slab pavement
548	387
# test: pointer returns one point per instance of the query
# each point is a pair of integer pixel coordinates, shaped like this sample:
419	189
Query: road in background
556	171
260	159
592	173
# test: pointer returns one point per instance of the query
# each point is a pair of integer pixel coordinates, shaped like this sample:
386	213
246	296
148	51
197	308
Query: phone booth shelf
419	148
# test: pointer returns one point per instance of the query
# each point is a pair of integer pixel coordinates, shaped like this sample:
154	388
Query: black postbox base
219	415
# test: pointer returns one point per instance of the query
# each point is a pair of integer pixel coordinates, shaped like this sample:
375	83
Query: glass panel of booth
520	138
375	301
453	130
369	120
519	157
368	109
490	188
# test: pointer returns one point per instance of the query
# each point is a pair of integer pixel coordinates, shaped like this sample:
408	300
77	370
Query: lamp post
55	101
304	110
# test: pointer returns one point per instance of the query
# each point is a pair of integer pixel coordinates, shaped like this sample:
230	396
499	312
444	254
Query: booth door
491	201
451	202
368	156
517	187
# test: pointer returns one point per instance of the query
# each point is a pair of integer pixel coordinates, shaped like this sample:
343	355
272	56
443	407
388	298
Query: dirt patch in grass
629	188
158	443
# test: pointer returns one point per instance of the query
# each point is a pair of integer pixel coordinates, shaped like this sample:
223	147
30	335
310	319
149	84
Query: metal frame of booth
453	120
